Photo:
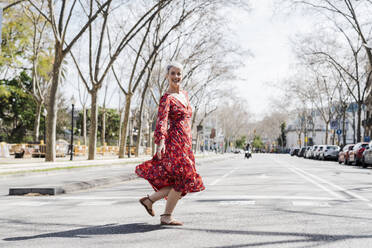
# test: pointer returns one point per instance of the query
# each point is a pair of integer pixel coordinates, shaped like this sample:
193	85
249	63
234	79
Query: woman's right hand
160	149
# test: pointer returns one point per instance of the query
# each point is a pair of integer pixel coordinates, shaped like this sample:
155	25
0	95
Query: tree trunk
343	126
149	133
194	117
37	122
139	128
140	116
103	131
125	125
84	127
359	131
326	134
354	141
52	106
93	125
120	125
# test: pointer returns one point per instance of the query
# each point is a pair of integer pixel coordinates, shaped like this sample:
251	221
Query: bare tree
59	15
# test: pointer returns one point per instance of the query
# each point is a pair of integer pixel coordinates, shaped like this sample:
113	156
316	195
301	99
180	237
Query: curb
83	185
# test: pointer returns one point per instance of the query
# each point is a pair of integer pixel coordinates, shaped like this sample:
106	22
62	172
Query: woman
171	172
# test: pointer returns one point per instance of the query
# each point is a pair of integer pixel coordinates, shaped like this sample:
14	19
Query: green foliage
241	142
112	124
17	109
16	42
257	142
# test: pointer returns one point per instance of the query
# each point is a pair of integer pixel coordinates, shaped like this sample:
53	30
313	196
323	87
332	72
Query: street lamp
45	114
72	127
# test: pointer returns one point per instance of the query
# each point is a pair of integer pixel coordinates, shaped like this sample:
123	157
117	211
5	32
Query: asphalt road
267	201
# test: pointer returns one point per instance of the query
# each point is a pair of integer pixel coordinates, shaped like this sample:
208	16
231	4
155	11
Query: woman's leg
172	200
163	192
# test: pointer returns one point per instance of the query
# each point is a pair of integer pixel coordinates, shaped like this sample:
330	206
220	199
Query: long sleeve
162	121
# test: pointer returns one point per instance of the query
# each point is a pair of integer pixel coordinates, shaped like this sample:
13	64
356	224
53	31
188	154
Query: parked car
355	155
318	151
294	151
312	151
308	151
330	153
367	156
302	151
343	156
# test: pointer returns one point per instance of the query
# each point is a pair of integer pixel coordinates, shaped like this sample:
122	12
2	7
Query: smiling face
174	77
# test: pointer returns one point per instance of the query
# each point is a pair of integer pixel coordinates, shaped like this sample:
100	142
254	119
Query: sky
266	33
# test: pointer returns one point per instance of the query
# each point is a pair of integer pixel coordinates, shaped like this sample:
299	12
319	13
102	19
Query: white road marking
96	197
224	176
310	204
97	203
240	203
263	197
335	186
263	176
338	196
28	203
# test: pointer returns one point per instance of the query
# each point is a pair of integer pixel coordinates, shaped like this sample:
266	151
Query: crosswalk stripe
310	204
240	203
97	203
28	203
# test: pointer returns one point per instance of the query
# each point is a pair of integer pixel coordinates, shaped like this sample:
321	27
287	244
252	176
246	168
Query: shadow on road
318	239
310	239
108	229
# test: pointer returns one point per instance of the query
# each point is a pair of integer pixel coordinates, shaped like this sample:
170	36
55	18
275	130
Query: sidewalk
11	166
70	176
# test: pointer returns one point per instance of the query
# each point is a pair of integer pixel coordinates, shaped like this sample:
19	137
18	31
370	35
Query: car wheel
346	162
339	162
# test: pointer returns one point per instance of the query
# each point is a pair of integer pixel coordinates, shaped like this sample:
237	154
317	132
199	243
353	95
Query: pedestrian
171	172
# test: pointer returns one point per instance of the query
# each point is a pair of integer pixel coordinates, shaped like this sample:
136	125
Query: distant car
294	151
318	151
355	155
330	153
302	151
343	156
312	151
236	151
367	156
308	152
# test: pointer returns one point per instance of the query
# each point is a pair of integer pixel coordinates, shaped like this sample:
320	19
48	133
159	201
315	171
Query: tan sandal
171	223
149	210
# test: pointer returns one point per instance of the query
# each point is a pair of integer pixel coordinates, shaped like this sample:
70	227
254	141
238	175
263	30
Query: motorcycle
248	154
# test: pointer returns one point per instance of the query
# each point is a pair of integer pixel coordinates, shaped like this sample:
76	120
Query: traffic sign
339	131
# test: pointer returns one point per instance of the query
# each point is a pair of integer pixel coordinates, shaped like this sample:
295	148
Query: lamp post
45	114
72	127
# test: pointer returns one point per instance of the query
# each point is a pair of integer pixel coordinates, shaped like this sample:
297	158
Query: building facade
311	130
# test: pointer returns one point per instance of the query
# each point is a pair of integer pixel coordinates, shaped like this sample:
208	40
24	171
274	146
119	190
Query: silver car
330	152
319	151
312	151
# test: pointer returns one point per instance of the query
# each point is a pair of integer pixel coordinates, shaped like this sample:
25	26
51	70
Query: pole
72	133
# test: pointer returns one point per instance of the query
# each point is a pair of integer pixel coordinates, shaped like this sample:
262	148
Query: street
271	200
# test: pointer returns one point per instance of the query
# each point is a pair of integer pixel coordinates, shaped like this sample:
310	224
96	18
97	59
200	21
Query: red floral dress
176	168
